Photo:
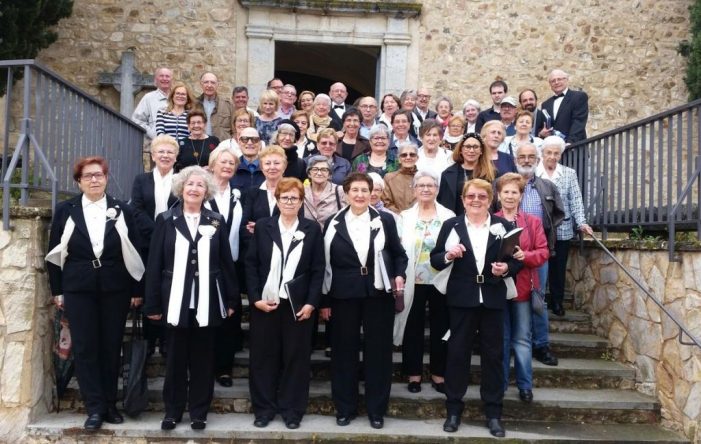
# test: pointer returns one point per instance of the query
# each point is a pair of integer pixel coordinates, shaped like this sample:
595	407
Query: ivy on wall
692	51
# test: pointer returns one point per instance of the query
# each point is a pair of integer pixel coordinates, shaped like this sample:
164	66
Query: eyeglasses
317	170
90	176
423	96
246	139
367	106
425	186
472	147
288	199
473	196
409	155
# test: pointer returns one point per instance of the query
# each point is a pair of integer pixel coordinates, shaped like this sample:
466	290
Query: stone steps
66	428
592	406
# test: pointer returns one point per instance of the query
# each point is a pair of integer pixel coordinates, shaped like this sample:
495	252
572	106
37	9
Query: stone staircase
587	398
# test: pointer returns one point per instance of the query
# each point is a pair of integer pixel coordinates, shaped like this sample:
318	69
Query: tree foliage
691	49
26	28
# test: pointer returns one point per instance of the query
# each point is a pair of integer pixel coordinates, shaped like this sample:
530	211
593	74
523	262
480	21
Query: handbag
134	380
537	298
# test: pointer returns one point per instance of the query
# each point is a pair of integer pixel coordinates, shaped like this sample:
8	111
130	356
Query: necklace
197	154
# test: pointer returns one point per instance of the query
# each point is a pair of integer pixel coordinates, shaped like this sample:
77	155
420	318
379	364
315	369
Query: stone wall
639	332
25	323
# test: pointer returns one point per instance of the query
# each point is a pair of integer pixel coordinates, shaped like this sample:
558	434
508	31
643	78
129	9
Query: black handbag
537	298
134	356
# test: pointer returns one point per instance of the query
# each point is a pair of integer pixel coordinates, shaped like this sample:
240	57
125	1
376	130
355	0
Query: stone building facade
624	53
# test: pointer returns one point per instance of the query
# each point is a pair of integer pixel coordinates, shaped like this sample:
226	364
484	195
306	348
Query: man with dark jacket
568	109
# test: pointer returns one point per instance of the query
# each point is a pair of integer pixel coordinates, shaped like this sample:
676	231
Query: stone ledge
641	245
403	9
29	212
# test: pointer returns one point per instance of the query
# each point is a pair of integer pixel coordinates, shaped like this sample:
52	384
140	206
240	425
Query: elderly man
529	101
497	90
248	174
368	109
218	109
541	199
567	111
145	113
276	85
421	110
508	114
288	97
338	94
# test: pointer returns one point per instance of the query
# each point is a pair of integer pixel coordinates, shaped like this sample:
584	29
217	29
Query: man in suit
338	94
421	111
497	90
568	109
529	101
218	109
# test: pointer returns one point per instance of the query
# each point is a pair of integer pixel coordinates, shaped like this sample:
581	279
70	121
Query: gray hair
408	146
320	97
528	144
318	158
408	93
377	129
472	102
377	180
444	99
555	141
218	151
183	176
423	173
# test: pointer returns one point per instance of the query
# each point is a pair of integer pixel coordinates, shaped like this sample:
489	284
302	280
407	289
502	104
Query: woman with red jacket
533	252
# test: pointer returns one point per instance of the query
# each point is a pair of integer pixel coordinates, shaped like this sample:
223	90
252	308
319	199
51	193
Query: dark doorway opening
316	66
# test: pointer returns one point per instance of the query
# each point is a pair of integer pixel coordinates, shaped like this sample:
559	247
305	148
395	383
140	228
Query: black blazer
311	262
448	194
143	201
232	207
571	116
347	281
538	121
336	122
463	286
429	115
79	273
159	271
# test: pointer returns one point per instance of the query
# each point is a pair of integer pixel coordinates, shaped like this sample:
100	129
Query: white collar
100	203
284	230
486	223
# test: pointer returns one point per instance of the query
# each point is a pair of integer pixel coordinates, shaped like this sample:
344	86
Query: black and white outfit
568	113
228	337
359	294
94	262
191	282
280	348
476	300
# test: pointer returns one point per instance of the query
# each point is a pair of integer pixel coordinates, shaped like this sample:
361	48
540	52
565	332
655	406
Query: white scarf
378	245
132	259
281	273
440	281
161	190
235	224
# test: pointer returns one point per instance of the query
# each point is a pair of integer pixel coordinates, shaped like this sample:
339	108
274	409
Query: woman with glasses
195	149
352	144
326	145
418	229
378	160
241	120
398	194
322	198
287	134
523	123
171	121
285	268
455	130
470	163
432	156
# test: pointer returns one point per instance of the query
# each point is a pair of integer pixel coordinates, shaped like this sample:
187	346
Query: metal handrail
682	329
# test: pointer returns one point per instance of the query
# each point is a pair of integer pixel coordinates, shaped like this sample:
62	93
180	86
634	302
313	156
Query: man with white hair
145	113
567	111
338	94
541	199
288	97
218	109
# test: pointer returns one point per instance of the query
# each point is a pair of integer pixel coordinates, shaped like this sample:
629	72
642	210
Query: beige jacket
398	194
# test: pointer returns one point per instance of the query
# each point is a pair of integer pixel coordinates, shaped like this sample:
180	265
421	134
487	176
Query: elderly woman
305	101
468	248
398	194
94	272
432	156
268	120
408	101
565	178
470	110
195	149
285	269
493	132
356	239
248	174
401	131
378	160
470	162
305	147
352	144
326	145
320	117
287	134
444	111
388	105
223	163
171	120
523	123
241	120
532	251
418	230
322	198
191	286
378	189
455	132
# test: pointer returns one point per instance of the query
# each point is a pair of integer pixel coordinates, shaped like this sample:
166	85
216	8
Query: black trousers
464	325
376	315
189	375
557	270
97	326
413	342
227	341
280	363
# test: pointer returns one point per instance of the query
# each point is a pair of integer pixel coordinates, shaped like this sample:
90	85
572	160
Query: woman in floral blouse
378	160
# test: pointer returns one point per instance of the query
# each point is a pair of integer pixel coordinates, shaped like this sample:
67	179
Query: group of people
315	214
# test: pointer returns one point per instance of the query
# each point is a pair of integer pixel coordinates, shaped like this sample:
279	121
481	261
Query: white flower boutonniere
376	223
497	230
298	236
112	213
206	231
235	195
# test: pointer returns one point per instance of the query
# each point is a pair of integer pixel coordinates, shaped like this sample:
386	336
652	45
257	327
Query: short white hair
553	141
377	180
218	151
524	144
194	170
423	173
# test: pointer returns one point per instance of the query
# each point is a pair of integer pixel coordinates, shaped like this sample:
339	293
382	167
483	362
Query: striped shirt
169	123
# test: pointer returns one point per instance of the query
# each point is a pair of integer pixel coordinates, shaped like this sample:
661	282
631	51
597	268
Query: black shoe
344	420
261	422
438	386
377	422
113	416
225	380
558	309
496	428
198	424
94	422
451	424
327	352
168	423
414	387
543	355
526	395
292	424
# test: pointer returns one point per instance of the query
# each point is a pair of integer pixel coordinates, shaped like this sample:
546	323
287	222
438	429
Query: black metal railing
55	123
645	174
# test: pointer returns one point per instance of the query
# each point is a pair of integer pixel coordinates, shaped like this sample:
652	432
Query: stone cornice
402	9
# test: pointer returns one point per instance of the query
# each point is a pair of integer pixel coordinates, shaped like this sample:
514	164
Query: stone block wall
25	323
639	332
